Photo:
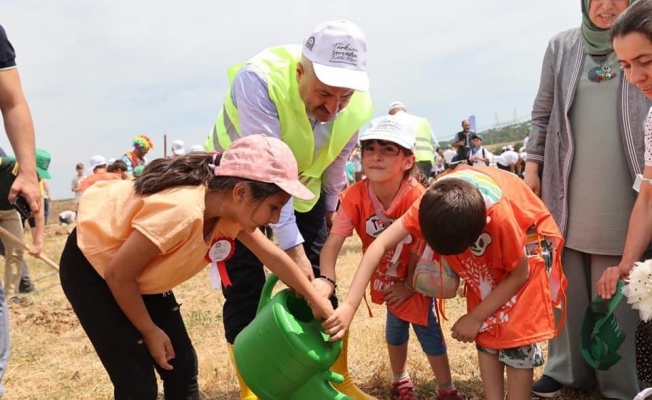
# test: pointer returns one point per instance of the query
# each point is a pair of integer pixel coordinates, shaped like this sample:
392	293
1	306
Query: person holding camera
462	142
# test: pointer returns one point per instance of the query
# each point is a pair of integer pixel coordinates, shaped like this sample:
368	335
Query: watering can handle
266	294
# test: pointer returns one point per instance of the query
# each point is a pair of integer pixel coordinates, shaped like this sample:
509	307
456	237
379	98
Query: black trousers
248	277
118	343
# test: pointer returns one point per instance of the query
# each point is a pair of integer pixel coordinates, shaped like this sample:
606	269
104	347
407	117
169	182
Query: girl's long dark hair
194	169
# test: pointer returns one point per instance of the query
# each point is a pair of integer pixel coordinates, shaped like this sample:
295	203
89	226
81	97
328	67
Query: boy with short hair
501	239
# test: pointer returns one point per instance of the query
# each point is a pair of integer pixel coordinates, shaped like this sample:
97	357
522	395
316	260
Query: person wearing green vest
314	98
426	142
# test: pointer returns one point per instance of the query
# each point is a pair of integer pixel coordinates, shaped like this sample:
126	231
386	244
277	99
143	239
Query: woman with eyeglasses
584	151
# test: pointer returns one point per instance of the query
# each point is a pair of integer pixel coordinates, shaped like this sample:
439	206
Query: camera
20	204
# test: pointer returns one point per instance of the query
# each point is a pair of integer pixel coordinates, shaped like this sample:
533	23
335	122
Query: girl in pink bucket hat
136	240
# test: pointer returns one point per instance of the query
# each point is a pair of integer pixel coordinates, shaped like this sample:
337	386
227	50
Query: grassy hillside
497	137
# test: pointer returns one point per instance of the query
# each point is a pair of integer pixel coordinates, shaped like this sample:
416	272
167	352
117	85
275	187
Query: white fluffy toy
639	289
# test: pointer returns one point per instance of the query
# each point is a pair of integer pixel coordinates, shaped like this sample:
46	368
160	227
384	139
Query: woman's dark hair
452	215
195	169
636	18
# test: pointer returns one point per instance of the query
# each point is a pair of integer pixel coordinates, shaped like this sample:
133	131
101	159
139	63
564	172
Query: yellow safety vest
278	66
424	147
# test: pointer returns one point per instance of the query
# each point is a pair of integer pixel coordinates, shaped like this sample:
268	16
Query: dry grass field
51	358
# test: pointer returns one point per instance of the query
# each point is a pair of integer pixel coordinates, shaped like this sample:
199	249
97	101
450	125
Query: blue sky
96	73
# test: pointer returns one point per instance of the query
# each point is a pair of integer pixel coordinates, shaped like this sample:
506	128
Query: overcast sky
96	73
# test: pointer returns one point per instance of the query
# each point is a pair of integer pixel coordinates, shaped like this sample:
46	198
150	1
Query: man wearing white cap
426	142
314	98
178	148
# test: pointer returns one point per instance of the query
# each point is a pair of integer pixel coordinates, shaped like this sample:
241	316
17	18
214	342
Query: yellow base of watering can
283	353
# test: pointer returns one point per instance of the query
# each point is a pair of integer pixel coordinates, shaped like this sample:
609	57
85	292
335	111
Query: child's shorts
397	332
524	357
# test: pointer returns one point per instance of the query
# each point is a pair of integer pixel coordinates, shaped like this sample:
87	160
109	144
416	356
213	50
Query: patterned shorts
644	351
524	357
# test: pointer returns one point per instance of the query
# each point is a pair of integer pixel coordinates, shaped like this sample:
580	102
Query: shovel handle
18	242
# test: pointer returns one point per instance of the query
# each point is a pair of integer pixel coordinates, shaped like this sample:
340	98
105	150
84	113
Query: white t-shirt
507	158
76	183
448	155
67	216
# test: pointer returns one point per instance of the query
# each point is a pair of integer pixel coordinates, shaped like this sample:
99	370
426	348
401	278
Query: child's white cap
391	128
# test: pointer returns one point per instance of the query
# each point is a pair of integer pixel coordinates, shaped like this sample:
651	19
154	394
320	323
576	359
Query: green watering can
283	353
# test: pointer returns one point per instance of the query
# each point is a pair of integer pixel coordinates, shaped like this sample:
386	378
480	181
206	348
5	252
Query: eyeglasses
639	180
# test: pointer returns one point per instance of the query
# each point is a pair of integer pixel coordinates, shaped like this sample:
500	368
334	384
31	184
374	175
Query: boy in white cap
313	97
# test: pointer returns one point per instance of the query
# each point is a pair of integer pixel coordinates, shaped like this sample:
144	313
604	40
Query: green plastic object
283	353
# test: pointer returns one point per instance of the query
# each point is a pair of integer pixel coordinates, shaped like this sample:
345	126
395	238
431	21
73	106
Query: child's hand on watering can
337	324
321	307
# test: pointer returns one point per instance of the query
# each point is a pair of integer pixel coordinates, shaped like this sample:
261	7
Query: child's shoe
403	390
449	395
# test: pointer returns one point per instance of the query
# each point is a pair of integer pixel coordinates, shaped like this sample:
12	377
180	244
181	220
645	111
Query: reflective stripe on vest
424	147
278	67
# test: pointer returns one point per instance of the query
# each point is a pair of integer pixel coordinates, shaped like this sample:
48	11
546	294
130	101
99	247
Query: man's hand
35	249
298	255
27	186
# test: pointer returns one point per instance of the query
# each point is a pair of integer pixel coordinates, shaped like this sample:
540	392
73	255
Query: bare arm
38	232
327	262
639	234
121	273
20	132
283	266
341	319
298	255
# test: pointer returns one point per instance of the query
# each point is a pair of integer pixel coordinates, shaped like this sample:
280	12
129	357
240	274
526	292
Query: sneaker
26	286
403	390
452	394
546	387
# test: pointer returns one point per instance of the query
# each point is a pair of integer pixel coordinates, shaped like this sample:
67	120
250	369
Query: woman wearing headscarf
584	151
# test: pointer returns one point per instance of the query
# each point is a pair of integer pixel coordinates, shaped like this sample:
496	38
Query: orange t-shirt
172	219
358	212
98	177
513	208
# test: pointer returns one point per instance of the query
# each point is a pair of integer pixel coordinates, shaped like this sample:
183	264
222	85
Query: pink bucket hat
264	159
